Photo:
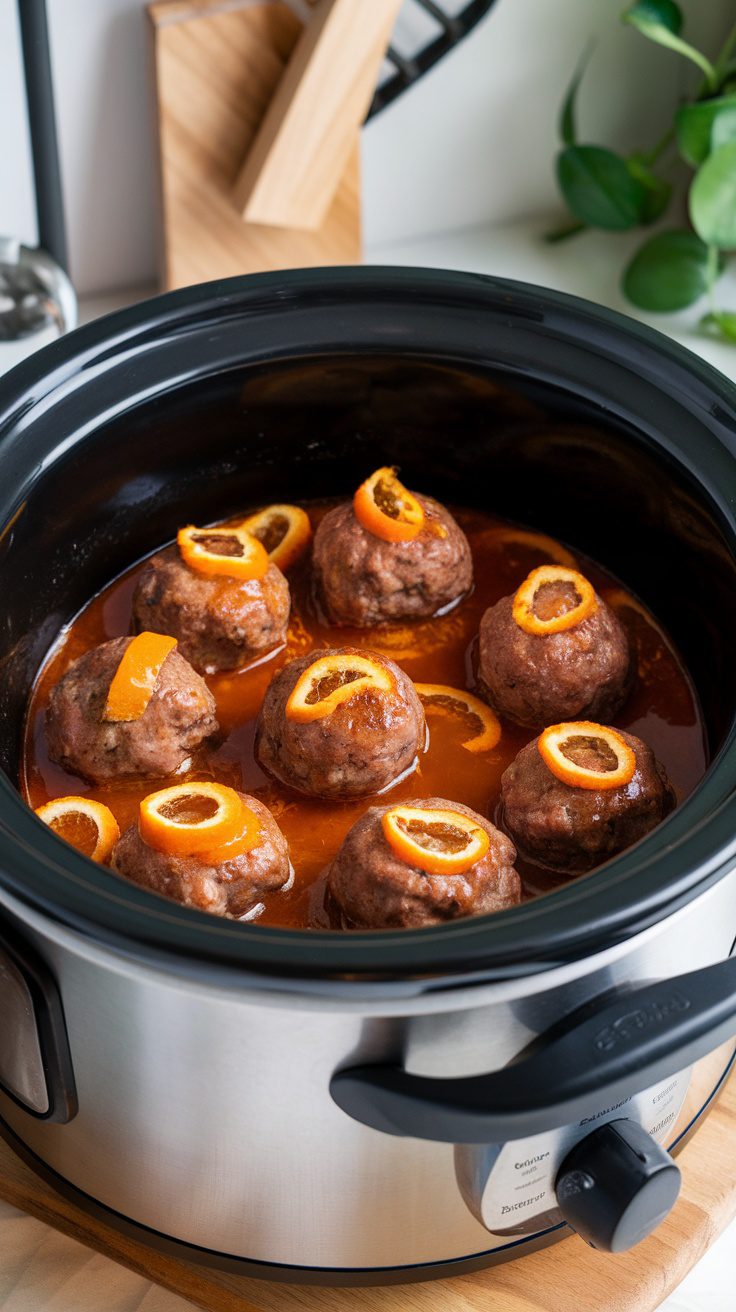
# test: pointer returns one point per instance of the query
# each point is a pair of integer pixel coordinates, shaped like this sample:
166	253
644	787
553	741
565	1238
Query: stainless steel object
205	1114
37	301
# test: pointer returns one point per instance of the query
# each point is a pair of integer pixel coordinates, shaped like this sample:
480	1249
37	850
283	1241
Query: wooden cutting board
563	1278
217	65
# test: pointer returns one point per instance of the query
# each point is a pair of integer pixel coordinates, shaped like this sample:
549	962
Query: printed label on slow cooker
520	1184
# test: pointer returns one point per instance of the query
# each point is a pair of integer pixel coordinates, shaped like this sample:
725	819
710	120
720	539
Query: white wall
476	138
16	196
473	141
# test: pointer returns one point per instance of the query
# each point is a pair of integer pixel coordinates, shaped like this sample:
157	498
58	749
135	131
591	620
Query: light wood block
294	165
217	66
564	1278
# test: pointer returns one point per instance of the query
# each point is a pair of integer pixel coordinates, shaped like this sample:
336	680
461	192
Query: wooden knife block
217	64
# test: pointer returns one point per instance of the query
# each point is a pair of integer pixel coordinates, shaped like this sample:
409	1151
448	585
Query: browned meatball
361	747
376	889
231	889
178	717
363	580
220	623
575	829
581	673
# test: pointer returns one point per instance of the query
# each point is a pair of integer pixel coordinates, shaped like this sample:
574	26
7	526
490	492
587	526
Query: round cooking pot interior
489	394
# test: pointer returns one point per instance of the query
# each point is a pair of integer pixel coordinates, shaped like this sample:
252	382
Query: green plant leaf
668	272
727	76
695	125
664	12
721	323
712	200
567	113
564	232
661	21
599	188
724	127
657	192
656	200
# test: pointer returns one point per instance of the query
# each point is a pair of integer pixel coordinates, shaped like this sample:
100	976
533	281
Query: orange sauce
662	710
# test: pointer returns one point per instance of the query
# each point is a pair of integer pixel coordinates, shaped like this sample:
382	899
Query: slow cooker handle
35	1060
642	1037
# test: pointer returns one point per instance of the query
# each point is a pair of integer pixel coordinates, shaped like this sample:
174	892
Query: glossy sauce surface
662	709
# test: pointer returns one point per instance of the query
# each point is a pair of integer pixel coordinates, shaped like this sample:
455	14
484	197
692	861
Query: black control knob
616	1185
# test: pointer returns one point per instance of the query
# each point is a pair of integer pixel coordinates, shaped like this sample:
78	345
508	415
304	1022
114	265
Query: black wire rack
404	70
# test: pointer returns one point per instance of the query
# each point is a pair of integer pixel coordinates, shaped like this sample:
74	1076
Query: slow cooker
387	1105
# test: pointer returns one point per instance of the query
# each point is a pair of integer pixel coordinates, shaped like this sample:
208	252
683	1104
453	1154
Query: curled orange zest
248	838
332	680
387	509
587	755
89	826
527	598
230	552
537	542
284	532
438	841
192	818
135	678
437	696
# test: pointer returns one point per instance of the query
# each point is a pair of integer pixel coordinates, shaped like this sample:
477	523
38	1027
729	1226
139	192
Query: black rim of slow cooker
693	848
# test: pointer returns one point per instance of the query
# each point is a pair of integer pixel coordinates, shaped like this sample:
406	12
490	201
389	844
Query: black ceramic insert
283	386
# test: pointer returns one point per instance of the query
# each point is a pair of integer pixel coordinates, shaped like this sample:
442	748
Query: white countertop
588	265
41	1270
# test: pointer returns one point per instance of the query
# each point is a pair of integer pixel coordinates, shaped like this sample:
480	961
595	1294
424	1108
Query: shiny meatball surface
363	580
581	673
574	829
375	889
179	716
361	747
230	889
220	623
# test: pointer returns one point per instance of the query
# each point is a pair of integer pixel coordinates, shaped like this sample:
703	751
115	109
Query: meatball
581	673
230	889
362	746
376	889
220	622
362	579
178	717
574	829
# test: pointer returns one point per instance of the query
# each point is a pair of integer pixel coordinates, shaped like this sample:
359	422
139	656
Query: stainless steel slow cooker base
204	1111
245	1267
324	1276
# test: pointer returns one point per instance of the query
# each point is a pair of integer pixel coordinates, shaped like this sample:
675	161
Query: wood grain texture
562	1278
217	66
295	162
